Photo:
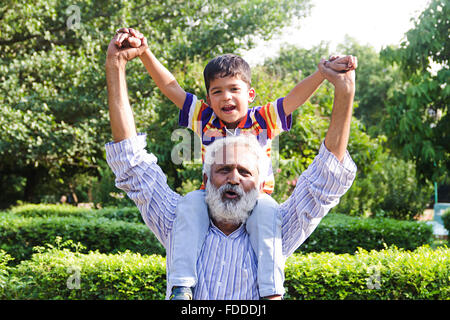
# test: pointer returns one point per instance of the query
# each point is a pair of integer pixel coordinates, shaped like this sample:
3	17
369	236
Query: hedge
18	235
340	233
129	214
4	270
386	274
109	231
446	221
62	274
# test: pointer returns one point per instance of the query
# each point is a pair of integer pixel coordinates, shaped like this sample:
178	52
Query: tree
374	80
54	120
417	119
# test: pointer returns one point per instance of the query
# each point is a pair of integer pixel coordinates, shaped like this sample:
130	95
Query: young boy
229	93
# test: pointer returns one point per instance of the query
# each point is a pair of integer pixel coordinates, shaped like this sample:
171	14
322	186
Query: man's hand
332	71
342	63
125	46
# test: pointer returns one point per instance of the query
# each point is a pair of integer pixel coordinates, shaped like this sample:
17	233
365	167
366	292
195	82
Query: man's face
233	188
234	164
229	98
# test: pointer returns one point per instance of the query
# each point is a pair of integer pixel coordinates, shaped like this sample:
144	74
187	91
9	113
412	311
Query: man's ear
205	179
251	95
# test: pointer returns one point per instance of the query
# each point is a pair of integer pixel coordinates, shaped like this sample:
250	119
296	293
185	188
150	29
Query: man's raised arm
120	113
336	139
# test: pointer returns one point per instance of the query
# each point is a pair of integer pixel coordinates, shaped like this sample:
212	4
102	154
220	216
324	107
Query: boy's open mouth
227	109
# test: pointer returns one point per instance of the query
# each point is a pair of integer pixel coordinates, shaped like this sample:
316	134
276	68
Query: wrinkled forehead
236	154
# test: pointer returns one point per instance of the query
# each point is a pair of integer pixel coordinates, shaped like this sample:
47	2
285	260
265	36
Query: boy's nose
227	95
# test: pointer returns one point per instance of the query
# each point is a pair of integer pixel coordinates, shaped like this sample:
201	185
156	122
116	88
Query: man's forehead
235	154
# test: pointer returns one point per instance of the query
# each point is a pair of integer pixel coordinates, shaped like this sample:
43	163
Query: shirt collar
235	234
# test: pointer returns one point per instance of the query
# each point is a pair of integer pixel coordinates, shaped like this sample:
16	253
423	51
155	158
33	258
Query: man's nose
233	177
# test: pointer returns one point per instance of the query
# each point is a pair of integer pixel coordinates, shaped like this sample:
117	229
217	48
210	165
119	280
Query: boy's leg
264	228
190	229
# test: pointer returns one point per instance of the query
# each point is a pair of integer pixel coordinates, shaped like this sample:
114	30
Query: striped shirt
227	265
265	122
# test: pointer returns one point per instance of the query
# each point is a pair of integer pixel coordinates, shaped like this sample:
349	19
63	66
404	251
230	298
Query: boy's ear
208	100
251	95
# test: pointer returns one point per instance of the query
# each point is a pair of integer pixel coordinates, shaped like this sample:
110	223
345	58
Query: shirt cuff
127	152
344	171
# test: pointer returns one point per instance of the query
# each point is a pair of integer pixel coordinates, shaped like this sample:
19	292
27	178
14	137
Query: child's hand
128	37
342	63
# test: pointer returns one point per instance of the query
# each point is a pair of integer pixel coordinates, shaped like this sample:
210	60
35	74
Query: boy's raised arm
165	80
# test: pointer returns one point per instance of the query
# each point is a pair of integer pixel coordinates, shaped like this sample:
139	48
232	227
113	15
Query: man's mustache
231	189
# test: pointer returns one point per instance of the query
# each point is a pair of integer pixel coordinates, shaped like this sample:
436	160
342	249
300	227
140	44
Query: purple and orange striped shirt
265	122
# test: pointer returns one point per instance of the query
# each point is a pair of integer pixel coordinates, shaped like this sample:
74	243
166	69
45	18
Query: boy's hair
227	65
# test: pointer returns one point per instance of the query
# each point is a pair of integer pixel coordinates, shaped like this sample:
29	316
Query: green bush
62	274
376	275
340	233
18	235
4	270
446	220
129	214
108	231
389	189
379	275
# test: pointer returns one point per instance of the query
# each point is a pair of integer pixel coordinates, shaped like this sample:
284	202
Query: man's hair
248	141
227	65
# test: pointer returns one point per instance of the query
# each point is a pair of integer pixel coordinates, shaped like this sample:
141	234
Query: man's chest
226	268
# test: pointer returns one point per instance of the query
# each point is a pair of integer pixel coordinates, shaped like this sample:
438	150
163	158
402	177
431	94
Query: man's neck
226	228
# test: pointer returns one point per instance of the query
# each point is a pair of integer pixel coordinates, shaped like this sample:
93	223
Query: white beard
235	211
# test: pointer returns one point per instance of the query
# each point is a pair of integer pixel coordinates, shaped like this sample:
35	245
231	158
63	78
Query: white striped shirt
227	265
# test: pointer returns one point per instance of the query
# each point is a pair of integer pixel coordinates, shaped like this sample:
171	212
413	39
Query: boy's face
229	98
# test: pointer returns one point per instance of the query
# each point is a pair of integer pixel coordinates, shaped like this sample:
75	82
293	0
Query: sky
375	22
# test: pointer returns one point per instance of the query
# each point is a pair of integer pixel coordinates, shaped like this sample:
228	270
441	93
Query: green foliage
128	214
376	275
389	188
54	275
20	234
4	270
375	79
417	116
340	233
111	230
446	220
52	86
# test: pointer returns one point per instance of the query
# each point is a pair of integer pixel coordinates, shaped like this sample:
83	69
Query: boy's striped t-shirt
265	122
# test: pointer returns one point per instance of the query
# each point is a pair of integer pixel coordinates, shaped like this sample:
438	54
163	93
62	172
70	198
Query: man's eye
244	172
